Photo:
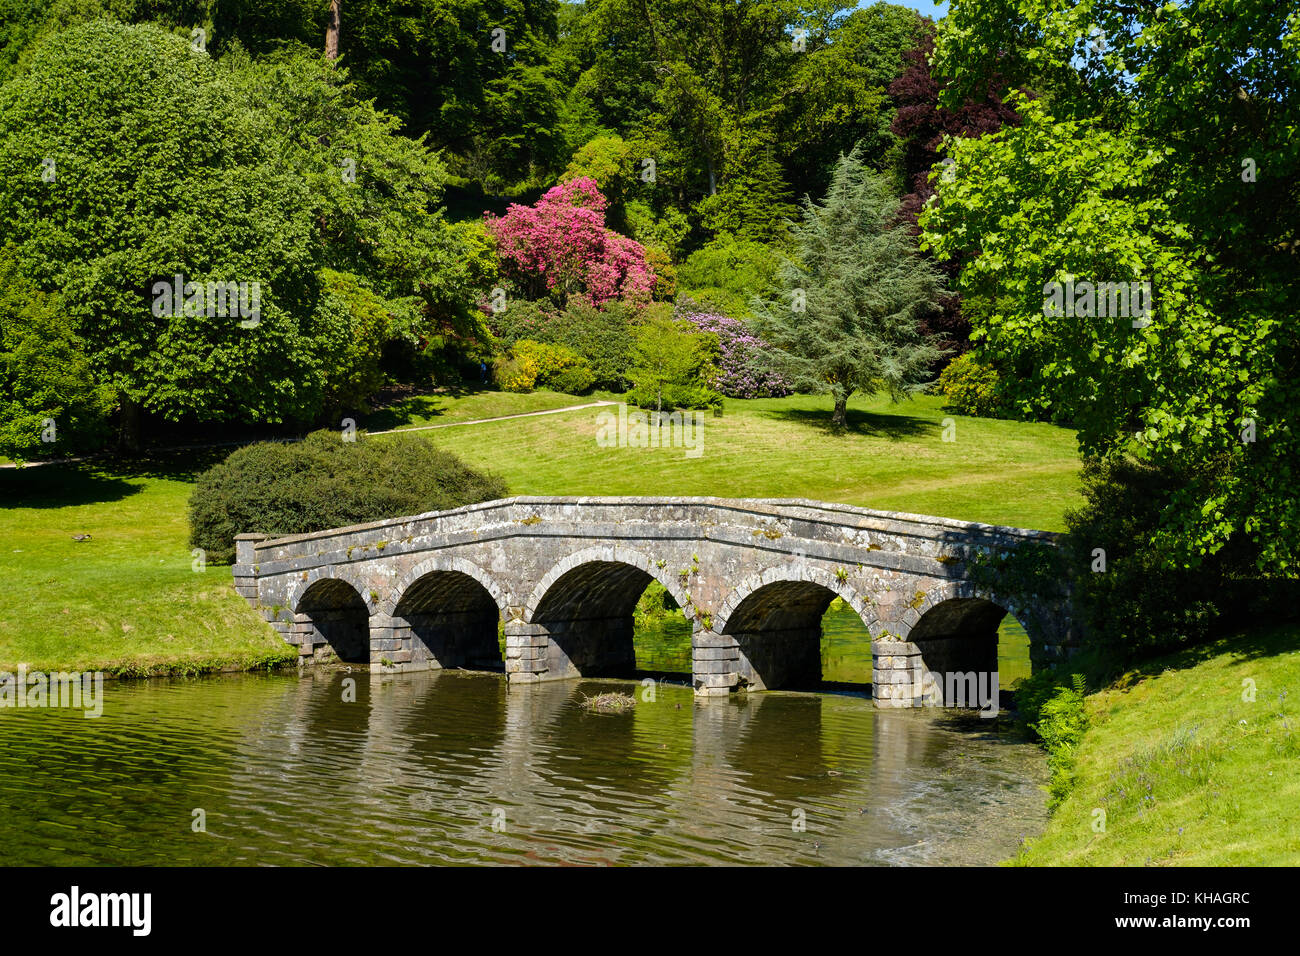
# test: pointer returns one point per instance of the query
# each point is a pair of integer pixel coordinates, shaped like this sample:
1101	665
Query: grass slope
129	597
892	456
1187	770
127	600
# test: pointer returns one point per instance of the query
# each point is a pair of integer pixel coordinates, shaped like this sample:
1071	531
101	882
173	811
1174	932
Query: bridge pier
715	663
526	650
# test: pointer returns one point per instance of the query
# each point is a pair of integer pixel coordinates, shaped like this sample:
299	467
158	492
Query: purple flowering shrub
745	368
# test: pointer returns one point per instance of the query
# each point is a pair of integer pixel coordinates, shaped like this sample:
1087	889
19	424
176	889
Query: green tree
850	300
1165	152
670	364
49	399
728	272
125	160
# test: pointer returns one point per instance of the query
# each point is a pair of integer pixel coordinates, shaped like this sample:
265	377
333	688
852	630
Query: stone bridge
562	576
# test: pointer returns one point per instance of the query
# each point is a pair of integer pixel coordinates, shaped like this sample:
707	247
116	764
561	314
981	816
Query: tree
49	399
851	298
922	124
332	30
125	161
127	158
1163	153
561	246
670	362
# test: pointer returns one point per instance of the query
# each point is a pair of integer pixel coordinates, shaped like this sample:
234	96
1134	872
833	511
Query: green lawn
448	409
892	456
129	598
1188	771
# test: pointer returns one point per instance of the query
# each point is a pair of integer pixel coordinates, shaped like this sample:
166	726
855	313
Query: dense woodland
680	201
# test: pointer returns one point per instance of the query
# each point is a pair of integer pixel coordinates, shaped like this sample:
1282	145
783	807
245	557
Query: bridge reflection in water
460	767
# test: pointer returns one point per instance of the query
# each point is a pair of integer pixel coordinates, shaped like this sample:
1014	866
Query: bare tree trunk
841	411
128	437
332	30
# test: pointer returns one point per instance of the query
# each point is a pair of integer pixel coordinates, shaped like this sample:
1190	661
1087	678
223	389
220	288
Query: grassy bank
1187	769
128	599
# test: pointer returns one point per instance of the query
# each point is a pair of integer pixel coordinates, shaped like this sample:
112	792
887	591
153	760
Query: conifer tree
845	315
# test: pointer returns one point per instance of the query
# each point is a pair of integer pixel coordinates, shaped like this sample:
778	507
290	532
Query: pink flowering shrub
561	246
744	368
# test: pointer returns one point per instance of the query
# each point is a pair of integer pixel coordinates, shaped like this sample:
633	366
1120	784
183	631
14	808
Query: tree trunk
128	436
332	30
840	418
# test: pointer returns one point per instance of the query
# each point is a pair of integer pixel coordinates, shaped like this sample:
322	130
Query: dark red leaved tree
921	124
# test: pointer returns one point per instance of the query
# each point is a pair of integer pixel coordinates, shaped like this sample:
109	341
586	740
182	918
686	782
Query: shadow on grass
67	484
1269	640
62	486
397	406
858	422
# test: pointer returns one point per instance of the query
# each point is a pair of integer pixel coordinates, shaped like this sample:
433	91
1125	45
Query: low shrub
970	387
744	368
601	336
324	482
530	364
1056	713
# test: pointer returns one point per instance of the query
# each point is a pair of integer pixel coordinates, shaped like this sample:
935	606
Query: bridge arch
775	621
584	606
444	612
330	615
609	555
955	628
786	575
447	563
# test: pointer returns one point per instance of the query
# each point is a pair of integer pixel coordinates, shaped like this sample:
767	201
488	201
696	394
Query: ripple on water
459	768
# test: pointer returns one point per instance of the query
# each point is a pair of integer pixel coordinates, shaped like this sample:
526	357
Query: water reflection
456	767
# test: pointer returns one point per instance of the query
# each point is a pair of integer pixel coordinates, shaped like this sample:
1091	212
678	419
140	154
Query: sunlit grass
892	456
1189	770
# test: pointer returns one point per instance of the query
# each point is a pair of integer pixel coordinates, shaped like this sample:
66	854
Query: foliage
1165	154
840	98
744	368
671	364
602	336
152	146
530	364
165	164
44	376
654	607
847	317
922	124
561	246
727	272
325	482
1059	722
970	387
353	325
1142	602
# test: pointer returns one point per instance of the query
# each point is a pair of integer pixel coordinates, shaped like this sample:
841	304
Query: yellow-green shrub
530	364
